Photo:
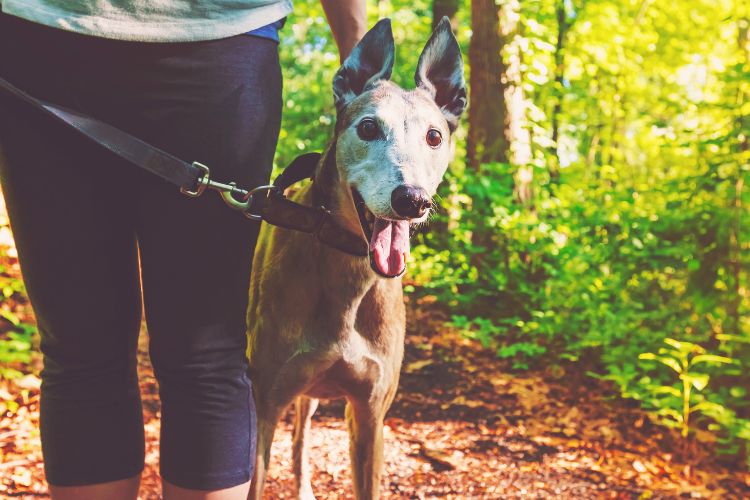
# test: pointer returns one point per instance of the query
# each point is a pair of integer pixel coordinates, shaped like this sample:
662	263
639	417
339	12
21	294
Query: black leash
194	179
185	175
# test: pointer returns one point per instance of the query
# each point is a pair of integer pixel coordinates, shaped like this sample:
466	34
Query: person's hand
348	22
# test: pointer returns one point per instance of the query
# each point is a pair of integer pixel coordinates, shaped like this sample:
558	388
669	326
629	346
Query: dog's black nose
410	201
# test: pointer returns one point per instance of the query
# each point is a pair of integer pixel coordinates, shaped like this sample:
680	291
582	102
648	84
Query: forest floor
463	425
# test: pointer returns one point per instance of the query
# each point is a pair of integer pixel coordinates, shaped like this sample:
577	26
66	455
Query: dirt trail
462	426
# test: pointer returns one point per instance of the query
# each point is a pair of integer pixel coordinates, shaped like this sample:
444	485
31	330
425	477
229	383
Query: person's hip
206	101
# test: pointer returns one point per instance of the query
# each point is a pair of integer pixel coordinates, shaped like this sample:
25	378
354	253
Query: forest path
462	426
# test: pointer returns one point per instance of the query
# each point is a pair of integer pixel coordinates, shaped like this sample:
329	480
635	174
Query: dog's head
393	145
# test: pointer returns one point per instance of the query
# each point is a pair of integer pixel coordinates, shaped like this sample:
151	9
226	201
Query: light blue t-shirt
269	31
154	20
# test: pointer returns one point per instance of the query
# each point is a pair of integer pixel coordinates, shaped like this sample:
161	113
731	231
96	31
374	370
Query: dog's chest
357	370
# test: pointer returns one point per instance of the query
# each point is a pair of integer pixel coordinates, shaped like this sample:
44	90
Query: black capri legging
82	218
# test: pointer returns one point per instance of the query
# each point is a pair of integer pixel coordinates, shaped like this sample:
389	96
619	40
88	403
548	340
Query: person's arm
348	22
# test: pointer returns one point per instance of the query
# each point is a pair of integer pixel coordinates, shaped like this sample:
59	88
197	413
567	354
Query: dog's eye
367	130
434	138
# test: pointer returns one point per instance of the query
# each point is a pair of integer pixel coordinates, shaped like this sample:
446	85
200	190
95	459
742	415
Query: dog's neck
353	274
330	191
326	177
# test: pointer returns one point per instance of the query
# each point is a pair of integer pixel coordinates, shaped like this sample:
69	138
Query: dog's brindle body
322	324
327	327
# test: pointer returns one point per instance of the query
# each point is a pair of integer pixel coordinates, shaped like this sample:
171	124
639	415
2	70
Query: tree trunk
562	30
742	126
487	110
444	8
517	137
497	111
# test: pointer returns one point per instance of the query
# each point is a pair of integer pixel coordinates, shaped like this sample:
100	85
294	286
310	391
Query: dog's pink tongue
390	245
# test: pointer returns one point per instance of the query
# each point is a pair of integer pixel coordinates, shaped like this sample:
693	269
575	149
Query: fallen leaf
415	366
28	382
639	467
439	460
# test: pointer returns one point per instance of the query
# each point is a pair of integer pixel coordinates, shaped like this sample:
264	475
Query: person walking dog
98	237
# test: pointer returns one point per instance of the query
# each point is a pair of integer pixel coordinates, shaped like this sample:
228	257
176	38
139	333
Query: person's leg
124	489
77	248
218	103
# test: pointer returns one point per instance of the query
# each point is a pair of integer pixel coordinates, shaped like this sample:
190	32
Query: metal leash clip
235	197
200	184
246	196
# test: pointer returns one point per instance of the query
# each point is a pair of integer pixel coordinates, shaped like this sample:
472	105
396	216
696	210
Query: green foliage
675	404
17	337
15	350
310	59
522	350
642	239
643	236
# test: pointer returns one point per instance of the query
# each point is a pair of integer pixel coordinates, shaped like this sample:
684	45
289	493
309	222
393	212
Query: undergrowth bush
599	274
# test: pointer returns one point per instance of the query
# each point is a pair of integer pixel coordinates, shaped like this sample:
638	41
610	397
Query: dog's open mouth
389	240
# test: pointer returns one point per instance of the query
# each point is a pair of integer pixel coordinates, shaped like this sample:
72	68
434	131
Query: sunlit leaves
634	244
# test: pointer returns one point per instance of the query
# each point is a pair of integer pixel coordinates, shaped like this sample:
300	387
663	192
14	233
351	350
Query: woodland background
596	214
593	227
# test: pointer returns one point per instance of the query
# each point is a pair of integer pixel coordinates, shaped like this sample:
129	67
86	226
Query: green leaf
10	317
671	413
708	406
675	343
733	338
738	392
684	347
698	380
710	358
670	362
666	389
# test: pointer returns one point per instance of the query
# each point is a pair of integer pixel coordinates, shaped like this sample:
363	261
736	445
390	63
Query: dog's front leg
275	389
304	409
268	418
365	421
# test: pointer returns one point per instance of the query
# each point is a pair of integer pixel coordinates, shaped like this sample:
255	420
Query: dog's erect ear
371	60
440	71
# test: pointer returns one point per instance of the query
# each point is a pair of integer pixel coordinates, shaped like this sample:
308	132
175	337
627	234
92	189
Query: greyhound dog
324	324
